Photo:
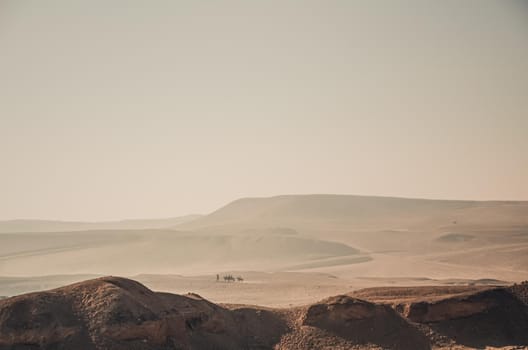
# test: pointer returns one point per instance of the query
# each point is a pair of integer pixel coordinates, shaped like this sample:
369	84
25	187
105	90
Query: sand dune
11	226
402	237
354	238
359	212
157	251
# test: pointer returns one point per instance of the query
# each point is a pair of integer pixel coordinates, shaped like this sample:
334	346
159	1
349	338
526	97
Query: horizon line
117	220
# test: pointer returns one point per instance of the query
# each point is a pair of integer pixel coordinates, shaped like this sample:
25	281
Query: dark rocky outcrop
101	313
363	322
494	317
118	313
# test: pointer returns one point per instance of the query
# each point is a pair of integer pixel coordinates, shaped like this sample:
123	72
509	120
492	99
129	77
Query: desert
310	271
263	175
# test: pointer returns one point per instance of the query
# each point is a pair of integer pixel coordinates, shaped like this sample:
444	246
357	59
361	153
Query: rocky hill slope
118	313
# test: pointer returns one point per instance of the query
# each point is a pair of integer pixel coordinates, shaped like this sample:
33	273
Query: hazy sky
126	109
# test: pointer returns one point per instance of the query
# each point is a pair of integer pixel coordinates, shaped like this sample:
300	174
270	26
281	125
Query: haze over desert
263	175
303	243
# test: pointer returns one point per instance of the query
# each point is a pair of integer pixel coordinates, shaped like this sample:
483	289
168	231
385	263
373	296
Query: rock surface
118	313
363	322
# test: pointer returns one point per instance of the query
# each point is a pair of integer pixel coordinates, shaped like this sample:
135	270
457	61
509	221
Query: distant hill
12	226
429	229
132	252
356	212
345	235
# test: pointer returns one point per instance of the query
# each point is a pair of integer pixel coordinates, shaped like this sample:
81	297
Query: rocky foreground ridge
118	313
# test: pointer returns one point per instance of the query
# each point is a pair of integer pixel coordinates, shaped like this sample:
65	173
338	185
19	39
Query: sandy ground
274	289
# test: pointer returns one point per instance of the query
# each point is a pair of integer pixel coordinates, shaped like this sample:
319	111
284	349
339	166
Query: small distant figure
217	277
229	278
240	279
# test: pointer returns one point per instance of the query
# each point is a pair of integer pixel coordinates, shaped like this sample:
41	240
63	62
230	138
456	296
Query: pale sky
132	109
